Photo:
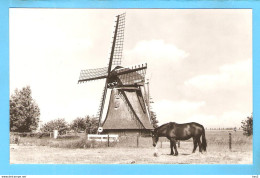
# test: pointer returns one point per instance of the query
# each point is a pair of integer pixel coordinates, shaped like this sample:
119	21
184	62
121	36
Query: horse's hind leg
195	144
171	145
200	146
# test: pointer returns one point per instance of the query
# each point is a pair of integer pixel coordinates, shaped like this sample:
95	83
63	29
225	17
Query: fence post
108	140
179	144
137	140
230	141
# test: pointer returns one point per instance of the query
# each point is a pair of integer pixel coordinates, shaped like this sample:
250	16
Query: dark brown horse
174	131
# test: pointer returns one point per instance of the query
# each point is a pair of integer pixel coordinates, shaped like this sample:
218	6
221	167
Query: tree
24	111
58	124
78	124
247	125
88	124
92	124
154	120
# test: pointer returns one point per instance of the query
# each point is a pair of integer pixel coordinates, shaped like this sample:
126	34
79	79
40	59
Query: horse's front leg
175	148
171	146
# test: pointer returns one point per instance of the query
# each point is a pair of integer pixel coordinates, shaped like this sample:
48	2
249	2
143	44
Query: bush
78	143
87	124
247	126
43	134
68	137
14	139
58	124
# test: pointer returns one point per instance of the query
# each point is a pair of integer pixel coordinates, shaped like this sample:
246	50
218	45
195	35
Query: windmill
127	111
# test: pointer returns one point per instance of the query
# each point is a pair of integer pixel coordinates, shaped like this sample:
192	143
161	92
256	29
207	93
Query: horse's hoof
155	155
175	154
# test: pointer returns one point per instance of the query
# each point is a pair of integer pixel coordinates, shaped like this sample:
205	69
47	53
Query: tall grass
220	140
216	140
61	142
73	143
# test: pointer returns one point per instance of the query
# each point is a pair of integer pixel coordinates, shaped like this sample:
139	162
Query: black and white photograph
130	86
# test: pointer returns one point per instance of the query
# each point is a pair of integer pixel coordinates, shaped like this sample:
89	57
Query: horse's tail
204	141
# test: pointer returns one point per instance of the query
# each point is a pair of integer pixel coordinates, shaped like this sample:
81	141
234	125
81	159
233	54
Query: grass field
76	151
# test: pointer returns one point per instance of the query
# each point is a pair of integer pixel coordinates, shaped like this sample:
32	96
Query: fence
219	139
222	139
103	138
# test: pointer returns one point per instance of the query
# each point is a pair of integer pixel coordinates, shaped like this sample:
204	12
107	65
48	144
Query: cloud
155	50
69	111
231	118
184	111
238	74
176	111
204	119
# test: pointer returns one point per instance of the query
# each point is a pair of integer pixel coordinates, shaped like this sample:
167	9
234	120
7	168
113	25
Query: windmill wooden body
127	111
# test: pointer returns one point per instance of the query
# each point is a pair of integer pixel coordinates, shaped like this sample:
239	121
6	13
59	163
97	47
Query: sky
199	60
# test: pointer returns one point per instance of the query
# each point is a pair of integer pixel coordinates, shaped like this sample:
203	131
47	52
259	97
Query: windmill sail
135	75
115	56
93	74
102	103
119	40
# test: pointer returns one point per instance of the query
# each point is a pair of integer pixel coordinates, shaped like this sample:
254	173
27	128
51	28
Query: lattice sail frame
101	105
119	43
93	74
135	75
116	59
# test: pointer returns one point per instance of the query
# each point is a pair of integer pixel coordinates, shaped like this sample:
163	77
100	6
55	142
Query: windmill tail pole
148	90
148	98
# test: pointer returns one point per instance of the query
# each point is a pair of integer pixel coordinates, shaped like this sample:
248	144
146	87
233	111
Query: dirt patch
56	151
111	155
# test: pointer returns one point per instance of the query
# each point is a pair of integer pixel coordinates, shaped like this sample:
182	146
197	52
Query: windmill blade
92	74
135	75
115	56
102	103
118	40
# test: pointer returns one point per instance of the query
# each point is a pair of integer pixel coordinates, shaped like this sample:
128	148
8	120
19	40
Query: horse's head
155	137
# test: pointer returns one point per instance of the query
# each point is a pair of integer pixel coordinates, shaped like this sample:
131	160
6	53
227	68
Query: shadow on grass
185	154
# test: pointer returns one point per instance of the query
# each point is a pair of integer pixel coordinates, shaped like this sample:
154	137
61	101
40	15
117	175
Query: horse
174	131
